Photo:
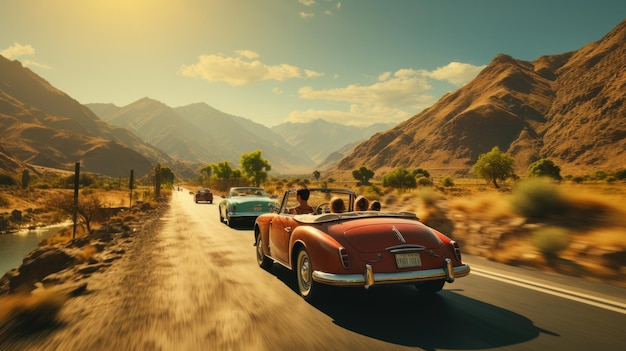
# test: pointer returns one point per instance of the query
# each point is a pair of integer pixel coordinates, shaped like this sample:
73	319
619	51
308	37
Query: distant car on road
203	195
244	203
355	248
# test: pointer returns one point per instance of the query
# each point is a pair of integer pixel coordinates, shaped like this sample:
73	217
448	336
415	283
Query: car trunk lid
370	238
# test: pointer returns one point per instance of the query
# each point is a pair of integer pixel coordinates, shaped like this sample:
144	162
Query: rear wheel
307	287
263	261
431	287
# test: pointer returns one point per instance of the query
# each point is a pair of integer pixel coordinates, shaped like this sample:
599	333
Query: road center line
567	294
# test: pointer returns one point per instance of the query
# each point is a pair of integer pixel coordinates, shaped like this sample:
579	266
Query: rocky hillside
10	164
569	108
41	125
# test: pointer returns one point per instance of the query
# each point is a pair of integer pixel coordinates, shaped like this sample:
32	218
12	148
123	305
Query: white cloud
403	88
312	74
247	54
358	115
29	63
17	50
242	69
328	8
307	2
384	76
456	73
394	97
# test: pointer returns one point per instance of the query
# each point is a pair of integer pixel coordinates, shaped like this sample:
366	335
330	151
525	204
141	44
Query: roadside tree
494	165
255	167
363	175
167	175
86	211
399	178
316	175
205	174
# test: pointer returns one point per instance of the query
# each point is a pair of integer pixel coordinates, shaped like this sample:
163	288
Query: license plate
405	260
257	208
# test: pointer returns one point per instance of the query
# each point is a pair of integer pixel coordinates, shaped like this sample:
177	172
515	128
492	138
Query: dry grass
592	219
24	313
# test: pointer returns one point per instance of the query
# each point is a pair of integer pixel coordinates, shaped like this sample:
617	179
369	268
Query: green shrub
447	182
537	198
423	181
545	168
550	240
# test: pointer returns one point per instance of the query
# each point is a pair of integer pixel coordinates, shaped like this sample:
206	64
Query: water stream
14	247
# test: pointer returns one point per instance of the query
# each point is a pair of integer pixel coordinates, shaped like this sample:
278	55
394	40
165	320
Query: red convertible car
355	248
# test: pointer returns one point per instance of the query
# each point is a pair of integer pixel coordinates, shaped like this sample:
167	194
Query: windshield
247	191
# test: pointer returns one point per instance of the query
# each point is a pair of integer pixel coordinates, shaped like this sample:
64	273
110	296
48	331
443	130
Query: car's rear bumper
369	277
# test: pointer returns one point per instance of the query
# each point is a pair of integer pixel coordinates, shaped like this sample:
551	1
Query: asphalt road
195	285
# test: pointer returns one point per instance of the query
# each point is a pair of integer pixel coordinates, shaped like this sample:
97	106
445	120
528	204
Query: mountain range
43	126
567	107
200	134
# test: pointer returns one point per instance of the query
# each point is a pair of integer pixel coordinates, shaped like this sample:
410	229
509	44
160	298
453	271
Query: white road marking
547	289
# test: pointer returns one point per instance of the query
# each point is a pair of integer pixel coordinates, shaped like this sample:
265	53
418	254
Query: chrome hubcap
305	272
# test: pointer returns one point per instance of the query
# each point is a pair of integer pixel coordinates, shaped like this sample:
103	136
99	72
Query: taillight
456	249
343	255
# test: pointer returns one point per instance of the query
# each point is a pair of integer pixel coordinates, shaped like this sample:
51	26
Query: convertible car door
280	233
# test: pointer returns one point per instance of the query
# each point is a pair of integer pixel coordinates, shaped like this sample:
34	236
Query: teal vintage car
245	203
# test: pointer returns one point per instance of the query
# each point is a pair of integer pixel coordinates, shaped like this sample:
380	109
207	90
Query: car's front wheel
307	287
263	261
229	220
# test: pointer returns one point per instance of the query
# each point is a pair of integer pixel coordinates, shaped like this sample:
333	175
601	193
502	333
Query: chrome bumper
369	278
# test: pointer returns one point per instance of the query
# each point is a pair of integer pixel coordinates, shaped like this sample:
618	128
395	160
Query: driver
302	196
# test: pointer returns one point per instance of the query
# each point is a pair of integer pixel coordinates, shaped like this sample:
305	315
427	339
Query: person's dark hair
375	205
337	205
303	193
361	203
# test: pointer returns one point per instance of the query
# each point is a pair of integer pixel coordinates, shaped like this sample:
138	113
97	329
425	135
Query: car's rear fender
322	248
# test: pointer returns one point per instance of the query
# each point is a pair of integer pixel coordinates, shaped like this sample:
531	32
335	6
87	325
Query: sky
356	62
